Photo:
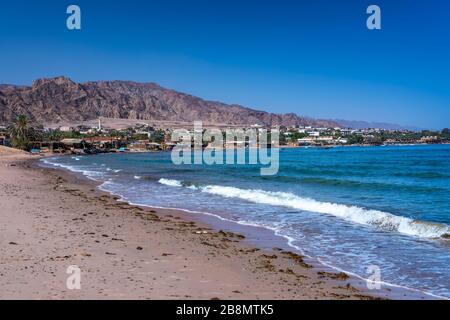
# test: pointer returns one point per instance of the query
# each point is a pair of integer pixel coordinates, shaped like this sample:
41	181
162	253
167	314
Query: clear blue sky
314	58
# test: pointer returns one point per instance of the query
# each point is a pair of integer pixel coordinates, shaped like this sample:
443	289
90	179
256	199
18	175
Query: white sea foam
170	182
381	220
93	175
286	200
137	177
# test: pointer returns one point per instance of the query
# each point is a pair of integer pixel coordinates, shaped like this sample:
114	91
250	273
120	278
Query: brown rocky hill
63	100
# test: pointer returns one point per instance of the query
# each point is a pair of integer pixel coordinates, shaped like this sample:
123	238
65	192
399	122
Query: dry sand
50	220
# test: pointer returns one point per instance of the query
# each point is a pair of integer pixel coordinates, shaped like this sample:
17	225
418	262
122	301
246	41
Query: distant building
306	141
429	139
4	136
148	134
65	129
345	132
313	133
325	139
74	143
4	141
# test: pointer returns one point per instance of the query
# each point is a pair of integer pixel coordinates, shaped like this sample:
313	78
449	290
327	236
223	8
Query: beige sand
50	220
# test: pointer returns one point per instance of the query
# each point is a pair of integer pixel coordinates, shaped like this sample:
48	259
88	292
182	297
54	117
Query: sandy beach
51	220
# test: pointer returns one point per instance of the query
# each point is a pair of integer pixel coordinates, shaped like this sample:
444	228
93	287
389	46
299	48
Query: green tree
355	139
20	132
445	134
157	136
52	135
298	135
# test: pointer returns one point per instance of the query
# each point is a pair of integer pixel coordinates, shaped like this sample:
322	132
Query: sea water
350	208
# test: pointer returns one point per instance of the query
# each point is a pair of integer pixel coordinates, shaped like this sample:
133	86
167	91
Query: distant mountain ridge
53	100
353	124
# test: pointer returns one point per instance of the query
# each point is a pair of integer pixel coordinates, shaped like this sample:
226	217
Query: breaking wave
170	182
90	174
378	219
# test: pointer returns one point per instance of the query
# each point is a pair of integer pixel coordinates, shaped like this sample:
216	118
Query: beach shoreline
53	218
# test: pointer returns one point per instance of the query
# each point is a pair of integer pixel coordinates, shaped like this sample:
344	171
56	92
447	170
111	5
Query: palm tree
20	132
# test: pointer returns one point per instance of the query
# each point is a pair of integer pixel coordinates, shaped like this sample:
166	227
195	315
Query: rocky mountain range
354	124
60	99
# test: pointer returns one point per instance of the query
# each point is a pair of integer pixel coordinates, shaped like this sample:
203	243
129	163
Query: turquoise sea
347	207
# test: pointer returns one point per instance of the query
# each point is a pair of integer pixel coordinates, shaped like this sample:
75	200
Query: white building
313	133
65	129
325	138
306	141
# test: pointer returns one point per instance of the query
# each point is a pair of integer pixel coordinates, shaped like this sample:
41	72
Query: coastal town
215	159
141	137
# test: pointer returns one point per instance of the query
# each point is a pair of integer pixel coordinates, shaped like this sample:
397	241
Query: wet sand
51	219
